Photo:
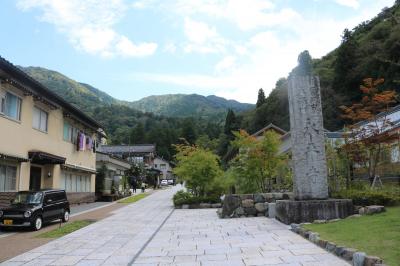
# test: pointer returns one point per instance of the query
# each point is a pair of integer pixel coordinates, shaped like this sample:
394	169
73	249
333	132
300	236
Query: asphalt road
75	210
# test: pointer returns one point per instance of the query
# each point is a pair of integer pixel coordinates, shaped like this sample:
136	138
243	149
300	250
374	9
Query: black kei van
33	208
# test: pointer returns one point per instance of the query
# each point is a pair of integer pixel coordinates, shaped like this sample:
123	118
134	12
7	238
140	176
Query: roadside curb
351	255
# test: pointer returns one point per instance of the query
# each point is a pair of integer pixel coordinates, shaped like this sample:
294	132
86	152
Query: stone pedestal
301	211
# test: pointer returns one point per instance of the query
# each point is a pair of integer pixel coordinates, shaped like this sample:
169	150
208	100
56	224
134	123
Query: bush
369	197
181	197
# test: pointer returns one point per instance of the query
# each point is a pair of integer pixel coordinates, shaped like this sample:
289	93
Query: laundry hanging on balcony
84	142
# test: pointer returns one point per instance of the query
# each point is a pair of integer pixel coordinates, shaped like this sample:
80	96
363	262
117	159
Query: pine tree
138	134
188	131
230	123
261	98
345	80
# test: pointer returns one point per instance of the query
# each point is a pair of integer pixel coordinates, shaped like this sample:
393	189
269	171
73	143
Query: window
2	102
11	106
8	177
70	133
40	119
395	154
75	182
163	166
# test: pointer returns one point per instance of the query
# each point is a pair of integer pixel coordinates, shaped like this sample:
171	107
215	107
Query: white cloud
125	47
225	64
202	38
261	58
349	3
246	15
198	32
89	25
170	47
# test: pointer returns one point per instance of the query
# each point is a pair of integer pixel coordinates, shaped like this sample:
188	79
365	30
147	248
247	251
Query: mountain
87	98
125	123
82	95
370	50
183	105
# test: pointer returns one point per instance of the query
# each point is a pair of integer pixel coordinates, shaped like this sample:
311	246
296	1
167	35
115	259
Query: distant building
332	137
139	154
165	167
115	170
45	142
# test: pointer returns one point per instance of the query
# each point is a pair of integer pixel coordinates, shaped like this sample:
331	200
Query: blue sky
135	48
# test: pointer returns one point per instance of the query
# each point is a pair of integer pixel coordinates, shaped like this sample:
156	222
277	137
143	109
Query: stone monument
310	182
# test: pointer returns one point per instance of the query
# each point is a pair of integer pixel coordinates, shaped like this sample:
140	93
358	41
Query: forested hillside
183	105
372	49
84	96
126	125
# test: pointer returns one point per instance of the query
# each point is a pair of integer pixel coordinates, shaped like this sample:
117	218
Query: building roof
392	116
270	126
328	134
31	86
118	149
108	157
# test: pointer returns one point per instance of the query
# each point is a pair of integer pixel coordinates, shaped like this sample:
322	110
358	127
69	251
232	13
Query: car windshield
28	197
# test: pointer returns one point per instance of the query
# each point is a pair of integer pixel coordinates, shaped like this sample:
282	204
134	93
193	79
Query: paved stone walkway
188	237
199	237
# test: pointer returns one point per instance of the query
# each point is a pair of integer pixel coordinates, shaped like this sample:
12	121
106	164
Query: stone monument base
302	211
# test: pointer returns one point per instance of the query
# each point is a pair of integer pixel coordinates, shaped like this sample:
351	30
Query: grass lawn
65	229
134	198
377	235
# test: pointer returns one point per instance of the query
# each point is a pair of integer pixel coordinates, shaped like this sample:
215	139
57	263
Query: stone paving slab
188	237
112	241
199	237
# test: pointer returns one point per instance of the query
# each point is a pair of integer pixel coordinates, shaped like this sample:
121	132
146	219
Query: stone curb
352	255
200	206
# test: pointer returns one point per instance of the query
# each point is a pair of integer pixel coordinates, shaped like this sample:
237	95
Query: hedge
370	197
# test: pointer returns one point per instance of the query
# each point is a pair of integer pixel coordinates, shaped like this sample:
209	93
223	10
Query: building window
163	166
70	133
395	154
74	182
11	106
2	103
40	119
8	177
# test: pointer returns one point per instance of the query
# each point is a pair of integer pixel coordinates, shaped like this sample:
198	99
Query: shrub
369	197
181	197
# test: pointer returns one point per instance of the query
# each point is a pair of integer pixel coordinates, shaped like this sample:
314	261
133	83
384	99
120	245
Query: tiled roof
270	126
118	149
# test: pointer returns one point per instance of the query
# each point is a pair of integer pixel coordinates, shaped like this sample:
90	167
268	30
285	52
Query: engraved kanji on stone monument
307	133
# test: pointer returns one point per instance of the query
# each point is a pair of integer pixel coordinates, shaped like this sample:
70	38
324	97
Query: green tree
258	163
188	130
199	168
261	98
345	80
206	143
138	134
230	123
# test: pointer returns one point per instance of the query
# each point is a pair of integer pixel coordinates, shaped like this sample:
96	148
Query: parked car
170	181
34	208
164	182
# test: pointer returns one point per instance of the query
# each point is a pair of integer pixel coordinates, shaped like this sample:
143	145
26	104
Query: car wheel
65	217
37	223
